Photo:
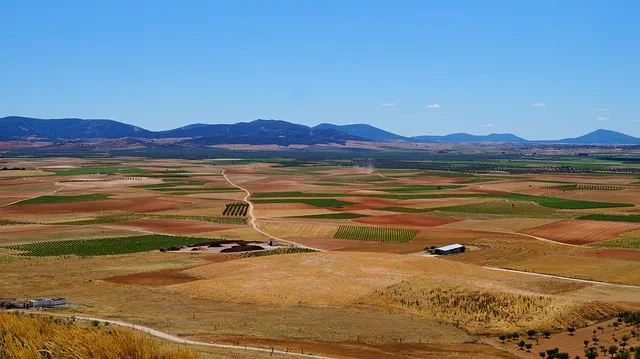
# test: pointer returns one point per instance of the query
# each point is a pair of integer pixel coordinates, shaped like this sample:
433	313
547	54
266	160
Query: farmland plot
375	234
581	231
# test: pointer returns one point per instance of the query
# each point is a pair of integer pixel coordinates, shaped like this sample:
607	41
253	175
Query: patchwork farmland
334	256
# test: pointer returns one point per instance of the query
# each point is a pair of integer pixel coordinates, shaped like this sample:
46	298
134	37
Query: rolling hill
258	132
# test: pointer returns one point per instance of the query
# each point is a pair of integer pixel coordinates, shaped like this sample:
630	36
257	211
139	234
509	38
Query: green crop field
623	242
613	217
343	215
106	246
559	203
103	220
516	208
6	222
190	190
100	170
67	199
324	202
292	250
131	217
295	194
392	235
580	186
417	188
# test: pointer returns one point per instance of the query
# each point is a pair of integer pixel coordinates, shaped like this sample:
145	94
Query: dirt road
253	219
564	278
172	338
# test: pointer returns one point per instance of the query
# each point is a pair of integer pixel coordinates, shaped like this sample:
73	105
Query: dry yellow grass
45	337
289	229
476	299
500	225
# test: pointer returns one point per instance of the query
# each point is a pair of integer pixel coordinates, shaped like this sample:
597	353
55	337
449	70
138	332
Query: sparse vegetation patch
393	235
106	246
66	199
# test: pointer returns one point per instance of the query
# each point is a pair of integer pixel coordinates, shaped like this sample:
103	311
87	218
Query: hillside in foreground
45	337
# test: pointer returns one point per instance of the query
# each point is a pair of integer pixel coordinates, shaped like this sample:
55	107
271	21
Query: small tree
591	353
542	354
528	346
571	330
586	343
562	355
616	325
521	344
546	334
613	349
637	355
531	333
603	349
503	338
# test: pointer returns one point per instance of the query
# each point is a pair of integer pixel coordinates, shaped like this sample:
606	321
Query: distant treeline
12	169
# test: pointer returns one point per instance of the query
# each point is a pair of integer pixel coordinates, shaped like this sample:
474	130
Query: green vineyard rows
391	235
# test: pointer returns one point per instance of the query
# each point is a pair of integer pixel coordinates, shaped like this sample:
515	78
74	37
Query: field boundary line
253	219
172	338
563	278
26	199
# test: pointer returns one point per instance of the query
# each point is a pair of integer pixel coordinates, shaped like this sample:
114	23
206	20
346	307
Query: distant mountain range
259	132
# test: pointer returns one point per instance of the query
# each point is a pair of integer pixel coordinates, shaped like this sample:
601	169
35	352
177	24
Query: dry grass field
360	299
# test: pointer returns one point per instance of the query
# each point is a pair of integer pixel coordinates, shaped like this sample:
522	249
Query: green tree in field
571	330
502	338
637	354
613	350
531	333
586	343
521	344
562	355
591	353
623	355
546	334
528	346
542	354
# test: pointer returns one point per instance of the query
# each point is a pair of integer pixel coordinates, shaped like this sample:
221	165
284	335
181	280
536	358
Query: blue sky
537	68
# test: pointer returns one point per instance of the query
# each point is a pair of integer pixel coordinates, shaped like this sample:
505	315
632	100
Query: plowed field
575	231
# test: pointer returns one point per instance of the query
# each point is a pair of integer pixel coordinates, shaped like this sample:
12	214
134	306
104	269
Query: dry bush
44	337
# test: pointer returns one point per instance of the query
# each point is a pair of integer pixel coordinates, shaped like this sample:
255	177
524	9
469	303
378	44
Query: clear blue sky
481	64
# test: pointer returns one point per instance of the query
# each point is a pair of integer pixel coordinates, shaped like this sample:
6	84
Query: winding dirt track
564	278
253	219
172	338
26	199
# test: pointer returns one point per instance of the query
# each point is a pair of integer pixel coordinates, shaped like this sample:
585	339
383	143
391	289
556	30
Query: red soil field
574	231
177	227
30	228
362	349
613	253
141	205
334	244
155	278
406	220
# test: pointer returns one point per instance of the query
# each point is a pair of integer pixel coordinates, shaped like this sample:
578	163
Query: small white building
450	249
41	303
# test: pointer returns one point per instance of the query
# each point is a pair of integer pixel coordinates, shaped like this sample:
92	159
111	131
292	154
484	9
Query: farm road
172	338
564	278
253	219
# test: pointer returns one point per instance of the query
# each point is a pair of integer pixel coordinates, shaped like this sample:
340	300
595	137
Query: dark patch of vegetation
236	209
324	202
278	251
105	246
341	215
66	199
612	217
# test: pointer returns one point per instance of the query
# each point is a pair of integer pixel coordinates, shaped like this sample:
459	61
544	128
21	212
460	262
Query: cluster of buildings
32	303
